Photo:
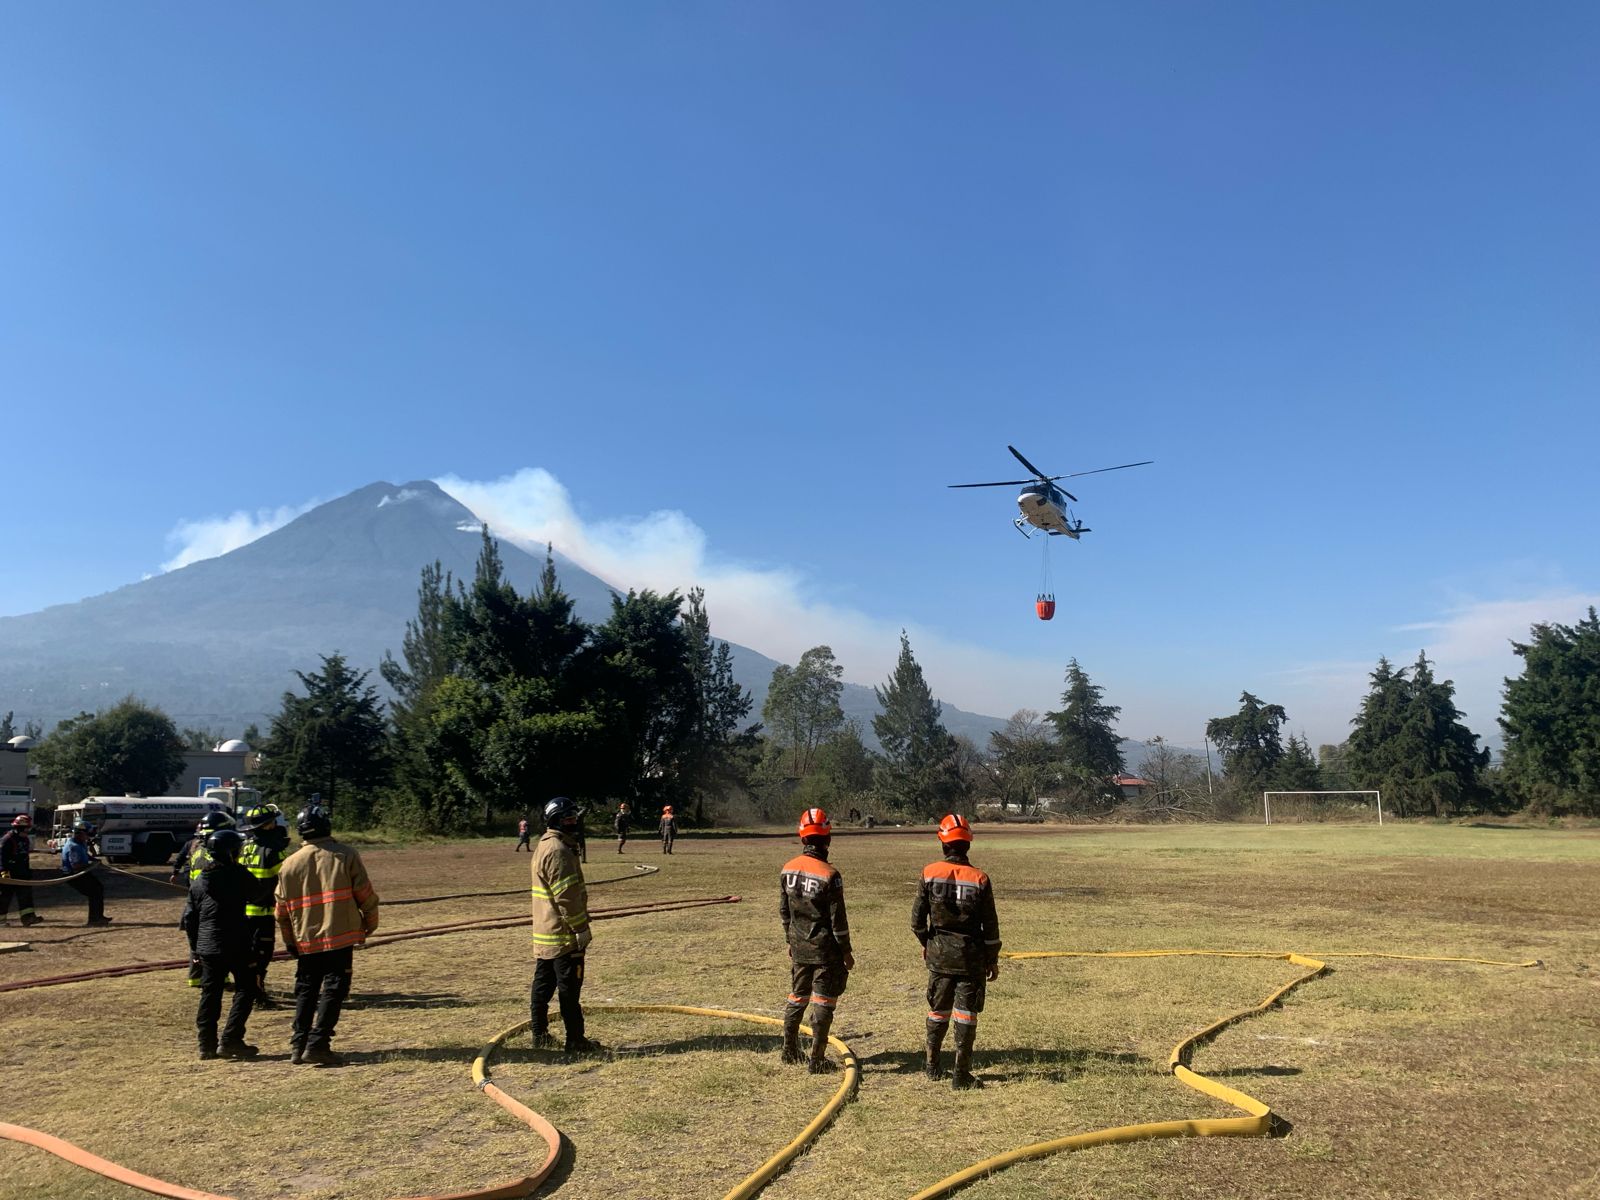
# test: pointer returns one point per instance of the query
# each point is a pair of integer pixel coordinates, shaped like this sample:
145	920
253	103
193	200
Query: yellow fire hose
763	1174
1259	1119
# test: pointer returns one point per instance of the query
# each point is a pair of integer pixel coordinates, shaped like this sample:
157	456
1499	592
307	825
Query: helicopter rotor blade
1025	462
1001	483
1102	470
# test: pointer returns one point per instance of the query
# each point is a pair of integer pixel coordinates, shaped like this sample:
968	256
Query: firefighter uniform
192	861
669	829
216	914
811	906
561	931
954	919
15	847
263	857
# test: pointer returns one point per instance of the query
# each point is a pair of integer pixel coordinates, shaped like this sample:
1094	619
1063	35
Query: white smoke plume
772	609
209	537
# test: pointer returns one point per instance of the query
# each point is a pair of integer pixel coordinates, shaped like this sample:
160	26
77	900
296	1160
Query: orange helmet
954	828
814	823
666	810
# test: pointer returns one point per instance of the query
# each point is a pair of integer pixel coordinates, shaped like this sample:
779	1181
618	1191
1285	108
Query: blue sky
785	271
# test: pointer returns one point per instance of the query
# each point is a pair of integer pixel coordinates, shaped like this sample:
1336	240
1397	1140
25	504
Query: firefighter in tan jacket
561	930
325	908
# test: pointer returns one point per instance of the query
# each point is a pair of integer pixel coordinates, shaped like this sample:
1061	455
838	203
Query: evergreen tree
1551	719
1297	770
1087	744
1408	742
1250	742
333	741
802	709
130	748
719	704
647	686
8	728
917	772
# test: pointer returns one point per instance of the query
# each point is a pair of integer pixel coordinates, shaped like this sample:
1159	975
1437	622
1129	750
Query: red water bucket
1045	606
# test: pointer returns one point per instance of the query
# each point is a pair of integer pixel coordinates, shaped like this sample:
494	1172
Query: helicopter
1043	504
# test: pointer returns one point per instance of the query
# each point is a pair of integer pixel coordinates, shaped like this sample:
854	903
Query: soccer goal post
1313	803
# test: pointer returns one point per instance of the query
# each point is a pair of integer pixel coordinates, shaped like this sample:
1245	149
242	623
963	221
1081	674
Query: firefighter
192	859
620	824
216	912
326	908
954	919
266	842
15	847
77	857
561	932
669	829
811	903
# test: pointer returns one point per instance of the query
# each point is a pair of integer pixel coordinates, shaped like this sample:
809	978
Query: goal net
1284	808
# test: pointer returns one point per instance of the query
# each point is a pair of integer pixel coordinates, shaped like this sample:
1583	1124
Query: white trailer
143	829
15	802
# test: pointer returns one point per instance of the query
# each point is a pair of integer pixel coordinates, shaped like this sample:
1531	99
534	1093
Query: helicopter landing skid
1022	526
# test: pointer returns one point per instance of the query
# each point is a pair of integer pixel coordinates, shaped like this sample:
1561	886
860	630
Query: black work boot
932	1067
821	1021
320	1054
961	1076
792	1014
233	1049
297	1051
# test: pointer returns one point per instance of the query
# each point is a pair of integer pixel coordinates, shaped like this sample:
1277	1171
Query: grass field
1399	1079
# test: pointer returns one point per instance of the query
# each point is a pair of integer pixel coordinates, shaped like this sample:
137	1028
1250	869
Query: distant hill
215	643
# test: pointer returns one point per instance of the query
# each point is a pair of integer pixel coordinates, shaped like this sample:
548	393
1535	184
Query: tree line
500	700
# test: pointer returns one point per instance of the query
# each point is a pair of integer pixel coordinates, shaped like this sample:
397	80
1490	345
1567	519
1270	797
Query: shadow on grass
405	1000
1236	1072
451	1054
1058	1066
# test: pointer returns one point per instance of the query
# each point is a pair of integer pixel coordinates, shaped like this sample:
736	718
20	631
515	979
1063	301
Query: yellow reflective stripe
554	939
542	893
579	921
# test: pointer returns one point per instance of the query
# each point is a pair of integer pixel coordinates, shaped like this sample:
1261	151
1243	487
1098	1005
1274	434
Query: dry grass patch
1400	1079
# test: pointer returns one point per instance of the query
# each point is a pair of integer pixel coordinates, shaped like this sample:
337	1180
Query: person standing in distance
216	912
523	836
326	908
811	904
620	824
15	847
561	932
669	829
954	919
78	855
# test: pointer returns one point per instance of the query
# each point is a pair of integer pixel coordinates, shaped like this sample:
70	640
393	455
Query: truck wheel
156	848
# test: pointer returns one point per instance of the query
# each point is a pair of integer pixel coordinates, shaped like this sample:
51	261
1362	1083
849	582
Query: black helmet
259	818
560	812
225	844
313	822
215	819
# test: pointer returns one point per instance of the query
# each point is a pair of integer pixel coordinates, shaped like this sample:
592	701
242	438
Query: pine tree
1250	742
1551	719
333	741
1408	742
1087	744
719	704
1297	770
917	772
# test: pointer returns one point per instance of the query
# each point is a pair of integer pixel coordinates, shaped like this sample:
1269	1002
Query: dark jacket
14	849
216	909
811	903
954	918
